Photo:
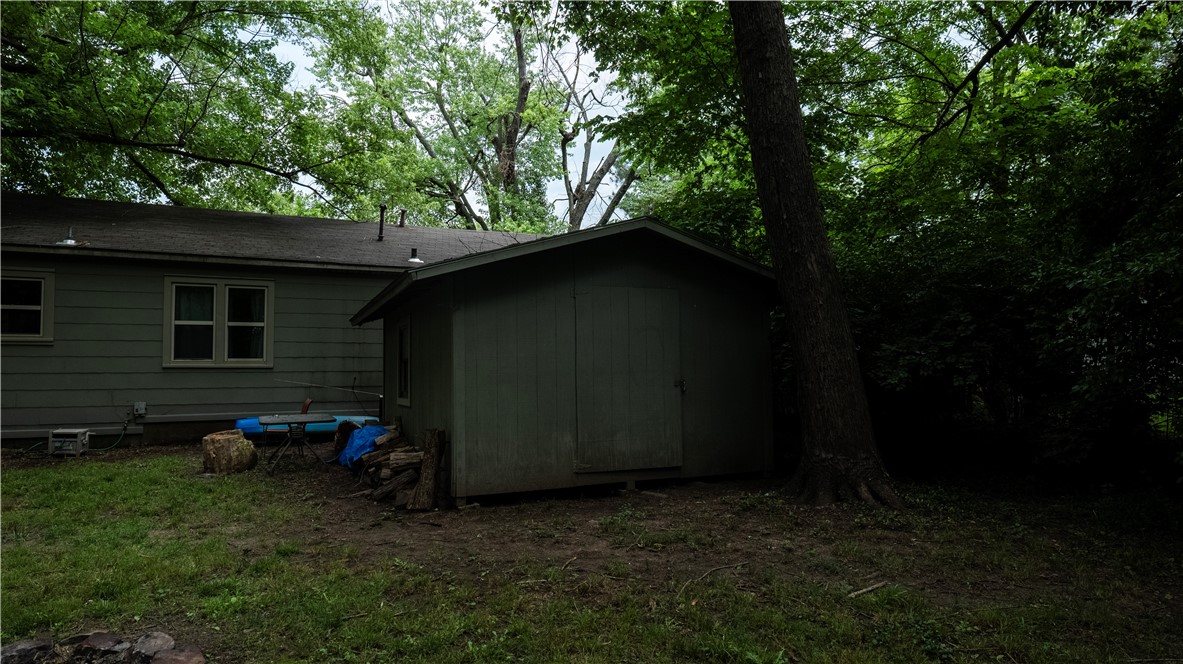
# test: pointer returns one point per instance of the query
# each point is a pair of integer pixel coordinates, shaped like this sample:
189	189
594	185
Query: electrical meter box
69	441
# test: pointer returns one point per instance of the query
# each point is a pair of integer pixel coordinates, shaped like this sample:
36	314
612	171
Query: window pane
244	342
21	292
194	303
193	342
20	321
246	305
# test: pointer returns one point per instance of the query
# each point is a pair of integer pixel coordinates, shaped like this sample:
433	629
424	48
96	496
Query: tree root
830	481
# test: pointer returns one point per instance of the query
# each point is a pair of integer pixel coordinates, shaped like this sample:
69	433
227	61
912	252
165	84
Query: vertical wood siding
628	367
430	405
520	392
517	378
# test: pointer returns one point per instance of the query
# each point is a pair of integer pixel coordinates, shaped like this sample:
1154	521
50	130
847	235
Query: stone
150	644
184	655
103	645
24	652
81	636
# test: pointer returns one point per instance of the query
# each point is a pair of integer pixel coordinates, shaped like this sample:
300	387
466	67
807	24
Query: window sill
218	365
27	341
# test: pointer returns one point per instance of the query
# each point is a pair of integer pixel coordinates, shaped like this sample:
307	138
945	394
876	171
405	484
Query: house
622	353
198	316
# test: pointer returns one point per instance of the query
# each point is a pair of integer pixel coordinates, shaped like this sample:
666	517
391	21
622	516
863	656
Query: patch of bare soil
665	531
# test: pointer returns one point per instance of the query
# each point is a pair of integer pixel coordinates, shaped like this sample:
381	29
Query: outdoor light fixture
69	241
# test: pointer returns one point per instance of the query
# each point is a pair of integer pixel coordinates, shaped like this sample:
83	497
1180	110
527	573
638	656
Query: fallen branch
705	575
568	563
866	590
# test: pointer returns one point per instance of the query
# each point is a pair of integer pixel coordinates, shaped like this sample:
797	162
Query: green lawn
244	569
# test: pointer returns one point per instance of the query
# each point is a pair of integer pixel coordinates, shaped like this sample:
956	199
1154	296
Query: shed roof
35	224
406	282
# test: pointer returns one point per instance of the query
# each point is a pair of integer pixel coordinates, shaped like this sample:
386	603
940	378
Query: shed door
627	372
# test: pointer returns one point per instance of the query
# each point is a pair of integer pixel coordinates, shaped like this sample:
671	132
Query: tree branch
943	118
621	190
156	182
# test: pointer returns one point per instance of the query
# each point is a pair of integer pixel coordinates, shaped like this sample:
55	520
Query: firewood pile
401	472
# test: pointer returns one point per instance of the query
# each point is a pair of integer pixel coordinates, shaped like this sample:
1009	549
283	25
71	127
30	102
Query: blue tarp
360	442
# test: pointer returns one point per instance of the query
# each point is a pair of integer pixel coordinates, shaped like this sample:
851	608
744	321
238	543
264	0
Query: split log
371	458
424	496
226	452
403	479
389	438
399	460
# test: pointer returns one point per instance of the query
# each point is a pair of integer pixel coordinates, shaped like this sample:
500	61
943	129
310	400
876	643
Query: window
26	306
218	323
403	388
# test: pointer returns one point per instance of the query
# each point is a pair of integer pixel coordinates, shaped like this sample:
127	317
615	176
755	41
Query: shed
621	353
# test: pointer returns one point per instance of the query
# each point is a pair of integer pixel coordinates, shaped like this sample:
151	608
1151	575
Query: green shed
622	353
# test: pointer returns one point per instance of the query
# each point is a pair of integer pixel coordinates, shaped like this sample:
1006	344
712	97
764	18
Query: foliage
484	137
1025	273
1002	184
180	101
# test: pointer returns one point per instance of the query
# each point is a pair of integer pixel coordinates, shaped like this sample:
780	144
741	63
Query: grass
225	563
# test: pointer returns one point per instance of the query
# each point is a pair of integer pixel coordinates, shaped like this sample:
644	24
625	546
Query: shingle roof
134	230
406	282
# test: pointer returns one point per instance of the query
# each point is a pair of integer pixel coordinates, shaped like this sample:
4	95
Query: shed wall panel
519	419
518	378
430	404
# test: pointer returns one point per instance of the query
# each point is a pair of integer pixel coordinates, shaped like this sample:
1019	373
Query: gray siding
520	389
515	376
725	348
108	346
430	404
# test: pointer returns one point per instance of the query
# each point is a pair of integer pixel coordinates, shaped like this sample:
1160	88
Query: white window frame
46	306
402	330
221	323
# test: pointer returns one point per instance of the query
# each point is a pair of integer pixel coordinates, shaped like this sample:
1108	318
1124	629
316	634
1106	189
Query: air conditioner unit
69	441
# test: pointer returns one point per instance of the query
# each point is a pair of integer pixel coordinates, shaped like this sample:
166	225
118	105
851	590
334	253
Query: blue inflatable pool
252	429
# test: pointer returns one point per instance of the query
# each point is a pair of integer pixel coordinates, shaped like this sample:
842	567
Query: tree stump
344	429
228	452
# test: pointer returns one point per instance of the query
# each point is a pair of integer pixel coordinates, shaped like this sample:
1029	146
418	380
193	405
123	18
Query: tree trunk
227	452
839	457
423	497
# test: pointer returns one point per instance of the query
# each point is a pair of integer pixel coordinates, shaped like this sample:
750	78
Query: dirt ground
534	531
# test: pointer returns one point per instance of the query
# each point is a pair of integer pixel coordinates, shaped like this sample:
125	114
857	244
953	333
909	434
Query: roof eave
377	305
197	259
374	309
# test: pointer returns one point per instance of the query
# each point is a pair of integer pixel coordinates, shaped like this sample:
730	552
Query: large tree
839	453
